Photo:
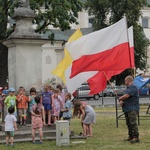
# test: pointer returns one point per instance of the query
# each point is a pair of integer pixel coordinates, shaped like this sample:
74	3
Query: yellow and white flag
63	70
67	61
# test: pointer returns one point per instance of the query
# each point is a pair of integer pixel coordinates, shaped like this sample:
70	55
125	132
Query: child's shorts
22	112
47	106
9	133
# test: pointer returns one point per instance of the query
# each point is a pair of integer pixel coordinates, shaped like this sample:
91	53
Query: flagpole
110	83
134	71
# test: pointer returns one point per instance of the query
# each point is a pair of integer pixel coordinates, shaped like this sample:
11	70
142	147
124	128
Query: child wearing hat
11	100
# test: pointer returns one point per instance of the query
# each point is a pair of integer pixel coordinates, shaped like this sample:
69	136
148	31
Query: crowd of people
54	104
45	108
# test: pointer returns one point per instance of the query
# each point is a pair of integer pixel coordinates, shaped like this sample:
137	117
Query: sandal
80	134
83	135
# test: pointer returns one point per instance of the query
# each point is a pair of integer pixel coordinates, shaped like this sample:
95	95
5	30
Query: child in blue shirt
67	114
47	99
32	98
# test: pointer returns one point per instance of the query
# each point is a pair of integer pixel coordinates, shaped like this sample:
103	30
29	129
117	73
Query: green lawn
105	135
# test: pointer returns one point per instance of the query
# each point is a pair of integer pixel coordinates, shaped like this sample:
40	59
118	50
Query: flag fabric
98	82
63	70
73	83
103	50
67	61
131	43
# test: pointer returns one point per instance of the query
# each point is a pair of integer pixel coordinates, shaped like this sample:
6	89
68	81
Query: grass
105	135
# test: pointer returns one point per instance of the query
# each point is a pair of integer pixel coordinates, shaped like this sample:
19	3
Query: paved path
110	101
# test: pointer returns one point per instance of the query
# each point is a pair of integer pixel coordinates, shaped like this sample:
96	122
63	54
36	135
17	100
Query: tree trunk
3	65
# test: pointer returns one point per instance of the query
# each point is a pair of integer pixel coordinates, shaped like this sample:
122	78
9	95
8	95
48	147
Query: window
84	88
145	22
91	20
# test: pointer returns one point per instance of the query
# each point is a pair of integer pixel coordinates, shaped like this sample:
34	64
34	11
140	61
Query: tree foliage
107	12
58	13
100	9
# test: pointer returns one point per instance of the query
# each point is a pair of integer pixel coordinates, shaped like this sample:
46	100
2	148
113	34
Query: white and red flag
103	50
98	82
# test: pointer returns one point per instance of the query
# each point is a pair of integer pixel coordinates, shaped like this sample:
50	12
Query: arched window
145	23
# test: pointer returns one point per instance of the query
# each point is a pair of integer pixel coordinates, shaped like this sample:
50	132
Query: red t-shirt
23	103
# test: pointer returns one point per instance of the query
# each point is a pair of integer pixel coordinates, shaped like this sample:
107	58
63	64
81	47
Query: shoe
34	142
134	140
24	123
6	144
84	135
80	134
128	139
12	145
39	142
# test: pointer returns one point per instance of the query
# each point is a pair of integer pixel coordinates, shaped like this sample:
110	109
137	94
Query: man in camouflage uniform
130	104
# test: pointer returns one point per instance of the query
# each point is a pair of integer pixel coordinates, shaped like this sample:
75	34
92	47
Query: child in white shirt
10	126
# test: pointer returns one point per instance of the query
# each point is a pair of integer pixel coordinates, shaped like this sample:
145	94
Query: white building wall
146	14
51	56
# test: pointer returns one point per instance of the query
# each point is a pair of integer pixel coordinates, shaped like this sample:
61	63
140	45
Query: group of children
50	106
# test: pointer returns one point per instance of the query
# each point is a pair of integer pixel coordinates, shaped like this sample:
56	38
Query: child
67	108
31	98
38	119
1	103
10	126
57	104
22	105
11	100
62	94
47	99
5	91
88	117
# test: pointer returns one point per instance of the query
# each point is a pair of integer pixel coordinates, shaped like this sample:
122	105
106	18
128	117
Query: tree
58	13
101	9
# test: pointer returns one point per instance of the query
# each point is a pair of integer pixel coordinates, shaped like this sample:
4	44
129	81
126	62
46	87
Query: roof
64	35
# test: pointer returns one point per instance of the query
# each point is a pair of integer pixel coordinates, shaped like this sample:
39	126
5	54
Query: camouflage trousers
131	118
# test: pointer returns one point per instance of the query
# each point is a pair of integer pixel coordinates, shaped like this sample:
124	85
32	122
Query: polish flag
98	82
63	69
131	43
103	50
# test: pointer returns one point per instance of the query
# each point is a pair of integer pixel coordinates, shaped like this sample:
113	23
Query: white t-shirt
9	122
